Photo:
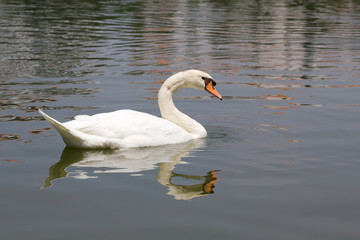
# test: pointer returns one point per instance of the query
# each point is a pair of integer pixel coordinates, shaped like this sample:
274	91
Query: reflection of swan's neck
171	113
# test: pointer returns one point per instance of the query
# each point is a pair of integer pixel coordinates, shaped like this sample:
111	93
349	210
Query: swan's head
200	80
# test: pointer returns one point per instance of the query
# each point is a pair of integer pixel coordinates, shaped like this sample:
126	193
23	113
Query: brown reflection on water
30	95
278	97
11	161
350	105
273	126
6	137
278	107
306	104
294	141
13	137
39	131
8	118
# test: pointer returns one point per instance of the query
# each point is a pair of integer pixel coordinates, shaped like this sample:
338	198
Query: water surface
281	160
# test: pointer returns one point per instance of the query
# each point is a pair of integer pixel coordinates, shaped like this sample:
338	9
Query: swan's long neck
171	113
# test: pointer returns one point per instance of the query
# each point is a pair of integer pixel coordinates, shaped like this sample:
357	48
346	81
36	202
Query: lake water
281	160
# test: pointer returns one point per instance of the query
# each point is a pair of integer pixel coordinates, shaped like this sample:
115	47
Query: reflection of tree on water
91	163
55	38
45	38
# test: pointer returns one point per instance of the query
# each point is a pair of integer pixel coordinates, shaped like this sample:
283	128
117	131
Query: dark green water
281	160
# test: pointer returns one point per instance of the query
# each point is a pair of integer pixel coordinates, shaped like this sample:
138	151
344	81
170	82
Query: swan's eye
208	80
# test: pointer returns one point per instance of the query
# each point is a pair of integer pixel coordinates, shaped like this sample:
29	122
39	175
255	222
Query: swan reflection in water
135	161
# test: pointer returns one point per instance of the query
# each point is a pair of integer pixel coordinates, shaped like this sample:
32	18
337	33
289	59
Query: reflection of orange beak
210	183
211	89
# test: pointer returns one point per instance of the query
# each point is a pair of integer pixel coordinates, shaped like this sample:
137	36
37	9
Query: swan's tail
71	137
75	138
58	126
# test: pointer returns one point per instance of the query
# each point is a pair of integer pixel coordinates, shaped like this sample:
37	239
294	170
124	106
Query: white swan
130	129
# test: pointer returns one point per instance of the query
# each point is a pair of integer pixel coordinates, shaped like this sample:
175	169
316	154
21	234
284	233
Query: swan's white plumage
131	129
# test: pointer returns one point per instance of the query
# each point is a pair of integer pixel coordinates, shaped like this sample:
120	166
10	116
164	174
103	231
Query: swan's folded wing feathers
128	124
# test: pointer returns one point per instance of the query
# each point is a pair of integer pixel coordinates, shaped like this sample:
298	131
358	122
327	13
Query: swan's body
130	129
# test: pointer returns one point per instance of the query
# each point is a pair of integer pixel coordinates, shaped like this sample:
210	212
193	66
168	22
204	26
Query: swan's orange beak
211	89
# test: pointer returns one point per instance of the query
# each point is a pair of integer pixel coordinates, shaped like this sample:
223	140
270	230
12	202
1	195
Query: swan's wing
135	129
120	124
